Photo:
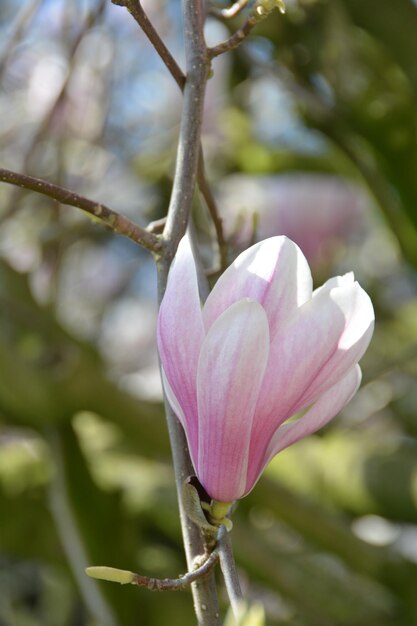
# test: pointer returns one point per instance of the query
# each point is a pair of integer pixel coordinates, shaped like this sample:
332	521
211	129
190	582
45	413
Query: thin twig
236	39
231	12
260	11
203	284
228	567
136	10
178	584
212	208
118	223
124	577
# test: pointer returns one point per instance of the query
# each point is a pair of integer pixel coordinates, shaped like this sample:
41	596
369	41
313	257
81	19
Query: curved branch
136	10
212	208
118	223
236	39
260	11
124	577
178	584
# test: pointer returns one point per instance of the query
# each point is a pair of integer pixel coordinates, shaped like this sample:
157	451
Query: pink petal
273	272
327	336
357	307
180	334
336	281
230	371
327	406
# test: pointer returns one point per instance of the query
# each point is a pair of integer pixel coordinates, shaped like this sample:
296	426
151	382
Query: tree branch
136	10
236	39
118	223
190	129
124	577
178	584
212	208
228	567
204	591
260	11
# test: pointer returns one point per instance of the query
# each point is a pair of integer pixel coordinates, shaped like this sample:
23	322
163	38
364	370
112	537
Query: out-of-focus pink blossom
263	348
317	211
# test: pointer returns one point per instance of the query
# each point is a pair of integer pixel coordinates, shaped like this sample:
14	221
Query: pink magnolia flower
263	348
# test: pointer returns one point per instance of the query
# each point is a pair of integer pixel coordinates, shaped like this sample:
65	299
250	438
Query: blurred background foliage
310	130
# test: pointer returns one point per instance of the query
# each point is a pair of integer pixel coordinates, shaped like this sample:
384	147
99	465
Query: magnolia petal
353	342
273	272
336	281
326	407
230	371
326	337
180	334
